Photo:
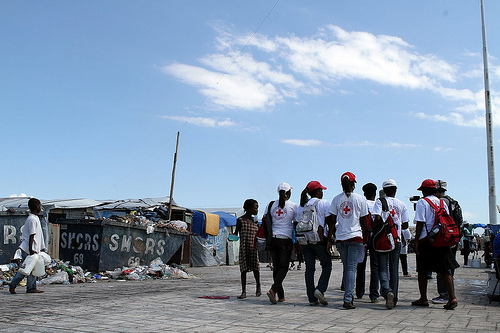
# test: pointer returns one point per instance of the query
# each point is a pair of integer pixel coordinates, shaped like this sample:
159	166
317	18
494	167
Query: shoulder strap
385	206
269	206
432	204
315	203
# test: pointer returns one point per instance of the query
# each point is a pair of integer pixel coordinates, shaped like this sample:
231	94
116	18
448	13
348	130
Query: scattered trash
59	272
59	278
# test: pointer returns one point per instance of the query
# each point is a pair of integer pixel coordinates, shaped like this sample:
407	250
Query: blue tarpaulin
226	219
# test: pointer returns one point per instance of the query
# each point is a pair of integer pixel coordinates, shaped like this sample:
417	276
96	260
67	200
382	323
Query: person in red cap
429	258
347	219
310	196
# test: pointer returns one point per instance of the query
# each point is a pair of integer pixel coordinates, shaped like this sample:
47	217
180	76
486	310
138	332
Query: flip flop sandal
419	302
450	305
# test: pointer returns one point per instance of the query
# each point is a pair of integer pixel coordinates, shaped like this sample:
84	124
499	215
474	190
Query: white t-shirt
424	213
406	234
283	218
348	210
32	226
322	210
397	209
370	204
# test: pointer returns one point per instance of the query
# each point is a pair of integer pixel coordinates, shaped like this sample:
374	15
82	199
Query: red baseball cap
313	185
349	175
429	183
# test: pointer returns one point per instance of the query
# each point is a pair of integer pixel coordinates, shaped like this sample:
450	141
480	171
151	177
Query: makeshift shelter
209	248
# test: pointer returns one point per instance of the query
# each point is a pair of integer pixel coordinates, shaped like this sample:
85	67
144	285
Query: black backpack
455	211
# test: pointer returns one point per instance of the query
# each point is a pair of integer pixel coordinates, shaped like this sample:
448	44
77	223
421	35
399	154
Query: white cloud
401	145
22	195
439	149
202	121
256	72
303	143
454	118
312	142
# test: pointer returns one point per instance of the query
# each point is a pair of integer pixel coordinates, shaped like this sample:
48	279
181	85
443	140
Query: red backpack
444	232
384	239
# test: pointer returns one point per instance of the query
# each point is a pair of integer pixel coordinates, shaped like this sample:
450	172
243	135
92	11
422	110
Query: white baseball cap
389	183
284	187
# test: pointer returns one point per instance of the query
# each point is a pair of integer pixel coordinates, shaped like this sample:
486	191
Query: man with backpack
388	260
456	213
430	257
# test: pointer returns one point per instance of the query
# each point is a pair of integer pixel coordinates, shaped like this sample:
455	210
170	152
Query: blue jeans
349	253
30	279
388	268
310	253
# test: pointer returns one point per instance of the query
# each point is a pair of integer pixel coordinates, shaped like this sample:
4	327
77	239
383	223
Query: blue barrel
99	245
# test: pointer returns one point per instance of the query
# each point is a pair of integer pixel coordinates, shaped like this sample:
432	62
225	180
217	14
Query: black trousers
281	251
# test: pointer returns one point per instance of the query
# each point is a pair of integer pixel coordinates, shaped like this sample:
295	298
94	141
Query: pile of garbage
157	218
156	270
59	272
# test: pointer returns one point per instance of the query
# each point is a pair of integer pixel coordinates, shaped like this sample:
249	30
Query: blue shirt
496	246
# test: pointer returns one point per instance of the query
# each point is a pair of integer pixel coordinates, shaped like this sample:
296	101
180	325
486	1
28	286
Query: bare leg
243	285
256	274
422	285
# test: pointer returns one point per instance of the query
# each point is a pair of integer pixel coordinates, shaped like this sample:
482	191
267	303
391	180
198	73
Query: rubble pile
156	218
59	272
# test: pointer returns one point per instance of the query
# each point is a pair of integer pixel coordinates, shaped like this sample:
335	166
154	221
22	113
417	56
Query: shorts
435	259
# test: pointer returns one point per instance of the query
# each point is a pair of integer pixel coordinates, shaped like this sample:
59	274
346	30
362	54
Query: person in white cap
283	213
388	263
347	220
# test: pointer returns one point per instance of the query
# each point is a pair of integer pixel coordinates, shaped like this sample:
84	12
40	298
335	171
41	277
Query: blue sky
93	95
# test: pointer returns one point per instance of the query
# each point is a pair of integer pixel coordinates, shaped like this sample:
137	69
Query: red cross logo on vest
392	212
279	212
346	210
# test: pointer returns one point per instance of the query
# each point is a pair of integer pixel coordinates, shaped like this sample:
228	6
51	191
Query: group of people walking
349	222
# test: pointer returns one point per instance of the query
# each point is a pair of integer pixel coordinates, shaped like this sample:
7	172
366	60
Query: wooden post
173	178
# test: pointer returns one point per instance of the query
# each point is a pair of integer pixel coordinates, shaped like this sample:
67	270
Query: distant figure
32	242
347	219
296	255
467	243
405	240
283	214
246	227
316	293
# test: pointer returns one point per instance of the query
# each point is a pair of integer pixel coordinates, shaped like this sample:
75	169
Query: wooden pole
173	178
